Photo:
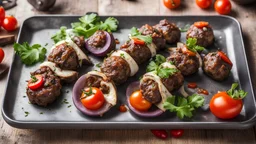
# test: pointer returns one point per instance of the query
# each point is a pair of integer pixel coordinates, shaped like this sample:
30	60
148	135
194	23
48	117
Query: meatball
203	35
173	82
150	91
95	81
64	56
157	36
215	67
140	53
98	39
185	63
79	41
170	31
50	90
116	68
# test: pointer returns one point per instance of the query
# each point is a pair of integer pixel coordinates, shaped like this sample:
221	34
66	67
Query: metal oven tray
39	29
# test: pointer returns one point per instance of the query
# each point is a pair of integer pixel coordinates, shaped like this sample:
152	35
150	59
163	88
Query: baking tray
60	114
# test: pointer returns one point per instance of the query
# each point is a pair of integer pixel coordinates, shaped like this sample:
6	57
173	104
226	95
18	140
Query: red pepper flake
122	108
203	91
192	85
117	41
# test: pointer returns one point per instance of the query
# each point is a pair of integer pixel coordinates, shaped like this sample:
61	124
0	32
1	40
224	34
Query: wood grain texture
246	16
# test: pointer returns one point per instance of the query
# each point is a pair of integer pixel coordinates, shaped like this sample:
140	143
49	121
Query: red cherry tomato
1	55
185	50
177	133
171	4
204	3
138	41
10	23
222	6
201	24
162	134
225	58
138	102
225	107
92	98
2	15
35	82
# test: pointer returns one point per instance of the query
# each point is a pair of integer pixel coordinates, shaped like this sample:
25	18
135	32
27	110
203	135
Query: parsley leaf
60	35
184	106
30	54
153	65
160	59
136	34
166	72
191	45
236	94
110	24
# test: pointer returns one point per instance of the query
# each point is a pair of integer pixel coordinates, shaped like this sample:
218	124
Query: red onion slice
77	91
133	87
108	47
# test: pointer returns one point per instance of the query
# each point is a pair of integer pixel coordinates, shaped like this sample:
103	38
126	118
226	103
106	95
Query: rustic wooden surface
246	16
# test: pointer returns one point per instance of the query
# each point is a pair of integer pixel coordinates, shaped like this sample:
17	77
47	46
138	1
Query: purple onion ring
103	51
77	91
130	89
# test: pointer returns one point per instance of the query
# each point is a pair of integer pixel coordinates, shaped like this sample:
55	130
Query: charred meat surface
98	39
173	82
185	63
50	90
140	53
116	68
203	35
64	56
215	67
150	91
79	41
170	31
156	35
95	81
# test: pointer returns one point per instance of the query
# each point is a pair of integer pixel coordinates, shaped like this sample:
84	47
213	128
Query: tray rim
135	125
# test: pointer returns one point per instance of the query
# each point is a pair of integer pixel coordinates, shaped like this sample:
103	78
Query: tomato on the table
177	133
201	24
171	4
10	23
92	98
222	6
2	15
138	41
1	55
204	3
162	134
224	57
138	102
36	82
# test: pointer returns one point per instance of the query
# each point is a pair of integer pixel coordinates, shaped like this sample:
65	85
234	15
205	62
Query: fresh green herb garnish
184	107
136	34
87	93
236	94
24	96
65	101
122	55
34	79
185	28
191	45
60	35
110	24
69	106
166	72
98	65
26	113
30	54
41	113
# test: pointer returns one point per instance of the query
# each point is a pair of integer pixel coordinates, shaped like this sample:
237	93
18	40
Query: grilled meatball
79	41
157	36
215	67
50	90
116	68
173	82
170	31
95	81
203	35
64	56
98	39
140	53
185	63
150	91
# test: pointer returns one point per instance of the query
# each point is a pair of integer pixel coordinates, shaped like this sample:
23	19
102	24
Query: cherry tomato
171	4
92	98
185	50
122	108
177	133
138	102
2	15
1	55
204	3
222	6
162	134
225	58
10	23
201	24
36	82
138	41
225	107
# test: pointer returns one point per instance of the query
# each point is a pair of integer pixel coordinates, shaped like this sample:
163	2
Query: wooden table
246	16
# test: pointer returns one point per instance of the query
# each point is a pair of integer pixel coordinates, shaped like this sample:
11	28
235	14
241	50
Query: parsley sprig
236	94
60	35
87	93
136	34
184	107
34	79
191	45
